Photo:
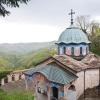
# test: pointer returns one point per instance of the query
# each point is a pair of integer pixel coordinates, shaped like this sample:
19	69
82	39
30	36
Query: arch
13	77
72	87
5	80
71	93
20	76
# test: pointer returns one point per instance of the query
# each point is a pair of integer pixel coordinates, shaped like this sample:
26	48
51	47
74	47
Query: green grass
16	95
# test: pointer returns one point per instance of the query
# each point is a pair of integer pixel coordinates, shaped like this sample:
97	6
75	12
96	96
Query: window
64	50
72	50
80	50
61	50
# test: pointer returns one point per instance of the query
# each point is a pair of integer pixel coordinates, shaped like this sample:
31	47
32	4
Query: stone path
41	97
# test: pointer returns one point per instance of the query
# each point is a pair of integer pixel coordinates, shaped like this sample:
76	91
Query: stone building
68	74
13	76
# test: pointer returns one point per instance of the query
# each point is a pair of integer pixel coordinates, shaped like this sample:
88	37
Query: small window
80	50
64	50
61	51
72	50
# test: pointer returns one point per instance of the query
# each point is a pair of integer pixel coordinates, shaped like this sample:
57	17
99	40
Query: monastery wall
91	80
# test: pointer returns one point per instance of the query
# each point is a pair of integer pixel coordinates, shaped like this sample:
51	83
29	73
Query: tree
83	23
92	29
95	37
9	3
95	45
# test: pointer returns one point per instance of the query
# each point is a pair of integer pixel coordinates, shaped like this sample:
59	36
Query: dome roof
73	35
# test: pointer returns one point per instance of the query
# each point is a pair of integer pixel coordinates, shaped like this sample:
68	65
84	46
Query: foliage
6	61
16	95
83	23
9	3
20	56
95	45
35	57
92	28
4	74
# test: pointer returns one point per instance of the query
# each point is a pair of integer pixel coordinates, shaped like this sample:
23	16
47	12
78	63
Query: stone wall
12	77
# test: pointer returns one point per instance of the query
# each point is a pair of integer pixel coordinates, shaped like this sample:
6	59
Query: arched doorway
13	77
71	93
55	93
5	80
20	76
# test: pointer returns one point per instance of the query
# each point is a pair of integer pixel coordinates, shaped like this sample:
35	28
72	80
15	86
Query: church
68	74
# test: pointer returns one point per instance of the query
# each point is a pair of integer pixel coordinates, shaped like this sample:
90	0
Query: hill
20	56
23	48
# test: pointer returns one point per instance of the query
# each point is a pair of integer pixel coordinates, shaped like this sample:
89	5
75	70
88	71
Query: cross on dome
72	13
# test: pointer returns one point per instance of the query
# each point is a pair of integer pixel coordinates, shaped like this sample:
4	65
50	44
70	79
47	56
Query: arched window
60	50
72	50
80	50
64	50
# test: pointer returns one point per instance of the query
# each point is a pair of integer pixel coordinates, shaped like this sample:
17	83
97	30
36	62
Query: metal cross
71	13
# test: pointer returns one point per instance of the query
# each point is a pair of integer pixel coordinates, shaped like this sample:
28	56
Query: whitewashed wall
79	84
91	80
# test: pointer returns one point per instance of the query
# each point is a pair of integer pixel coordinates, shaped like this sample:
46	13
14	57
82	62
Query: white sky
15	33
43	20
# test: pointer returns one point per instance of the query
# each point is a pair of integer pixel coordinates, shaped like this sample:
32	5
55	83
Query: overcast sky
43	20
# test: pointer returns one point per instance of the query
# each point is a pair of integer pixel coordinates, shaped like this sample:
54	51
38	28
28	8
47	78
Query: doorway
6	80
55	93
13	77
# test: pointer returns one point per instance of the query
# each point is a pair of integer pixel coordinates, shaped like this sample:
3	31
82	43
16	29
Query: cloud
43	20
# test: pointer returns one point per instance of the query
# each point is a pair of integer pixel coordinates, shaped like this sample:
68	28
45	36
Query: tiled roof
71	63
61	74
53	73
92	60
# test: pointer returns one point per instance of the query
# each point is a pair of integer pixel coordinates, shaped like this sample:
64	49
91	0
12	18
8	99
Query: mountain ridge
21	55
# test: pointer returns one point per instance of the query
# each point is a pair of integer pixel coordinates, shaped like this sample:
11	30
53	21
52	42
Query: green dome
73	35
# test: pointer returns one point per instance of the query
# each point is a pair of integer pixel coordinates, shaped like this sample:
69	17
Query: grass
16	95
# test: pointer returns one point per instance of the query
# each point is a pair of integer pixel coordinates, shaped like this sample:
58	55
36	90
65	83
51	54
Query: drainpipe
84	84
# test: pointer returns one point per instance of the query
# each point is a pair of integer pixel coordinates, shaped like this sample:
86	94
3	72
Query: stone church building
68	74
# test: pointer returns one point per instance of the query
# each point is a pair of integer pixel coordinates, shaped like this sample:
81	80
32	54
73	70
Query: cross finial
71	13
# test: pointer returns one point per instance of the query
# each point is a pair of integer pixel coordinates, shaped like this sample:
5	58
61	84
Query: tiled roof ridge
77	64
